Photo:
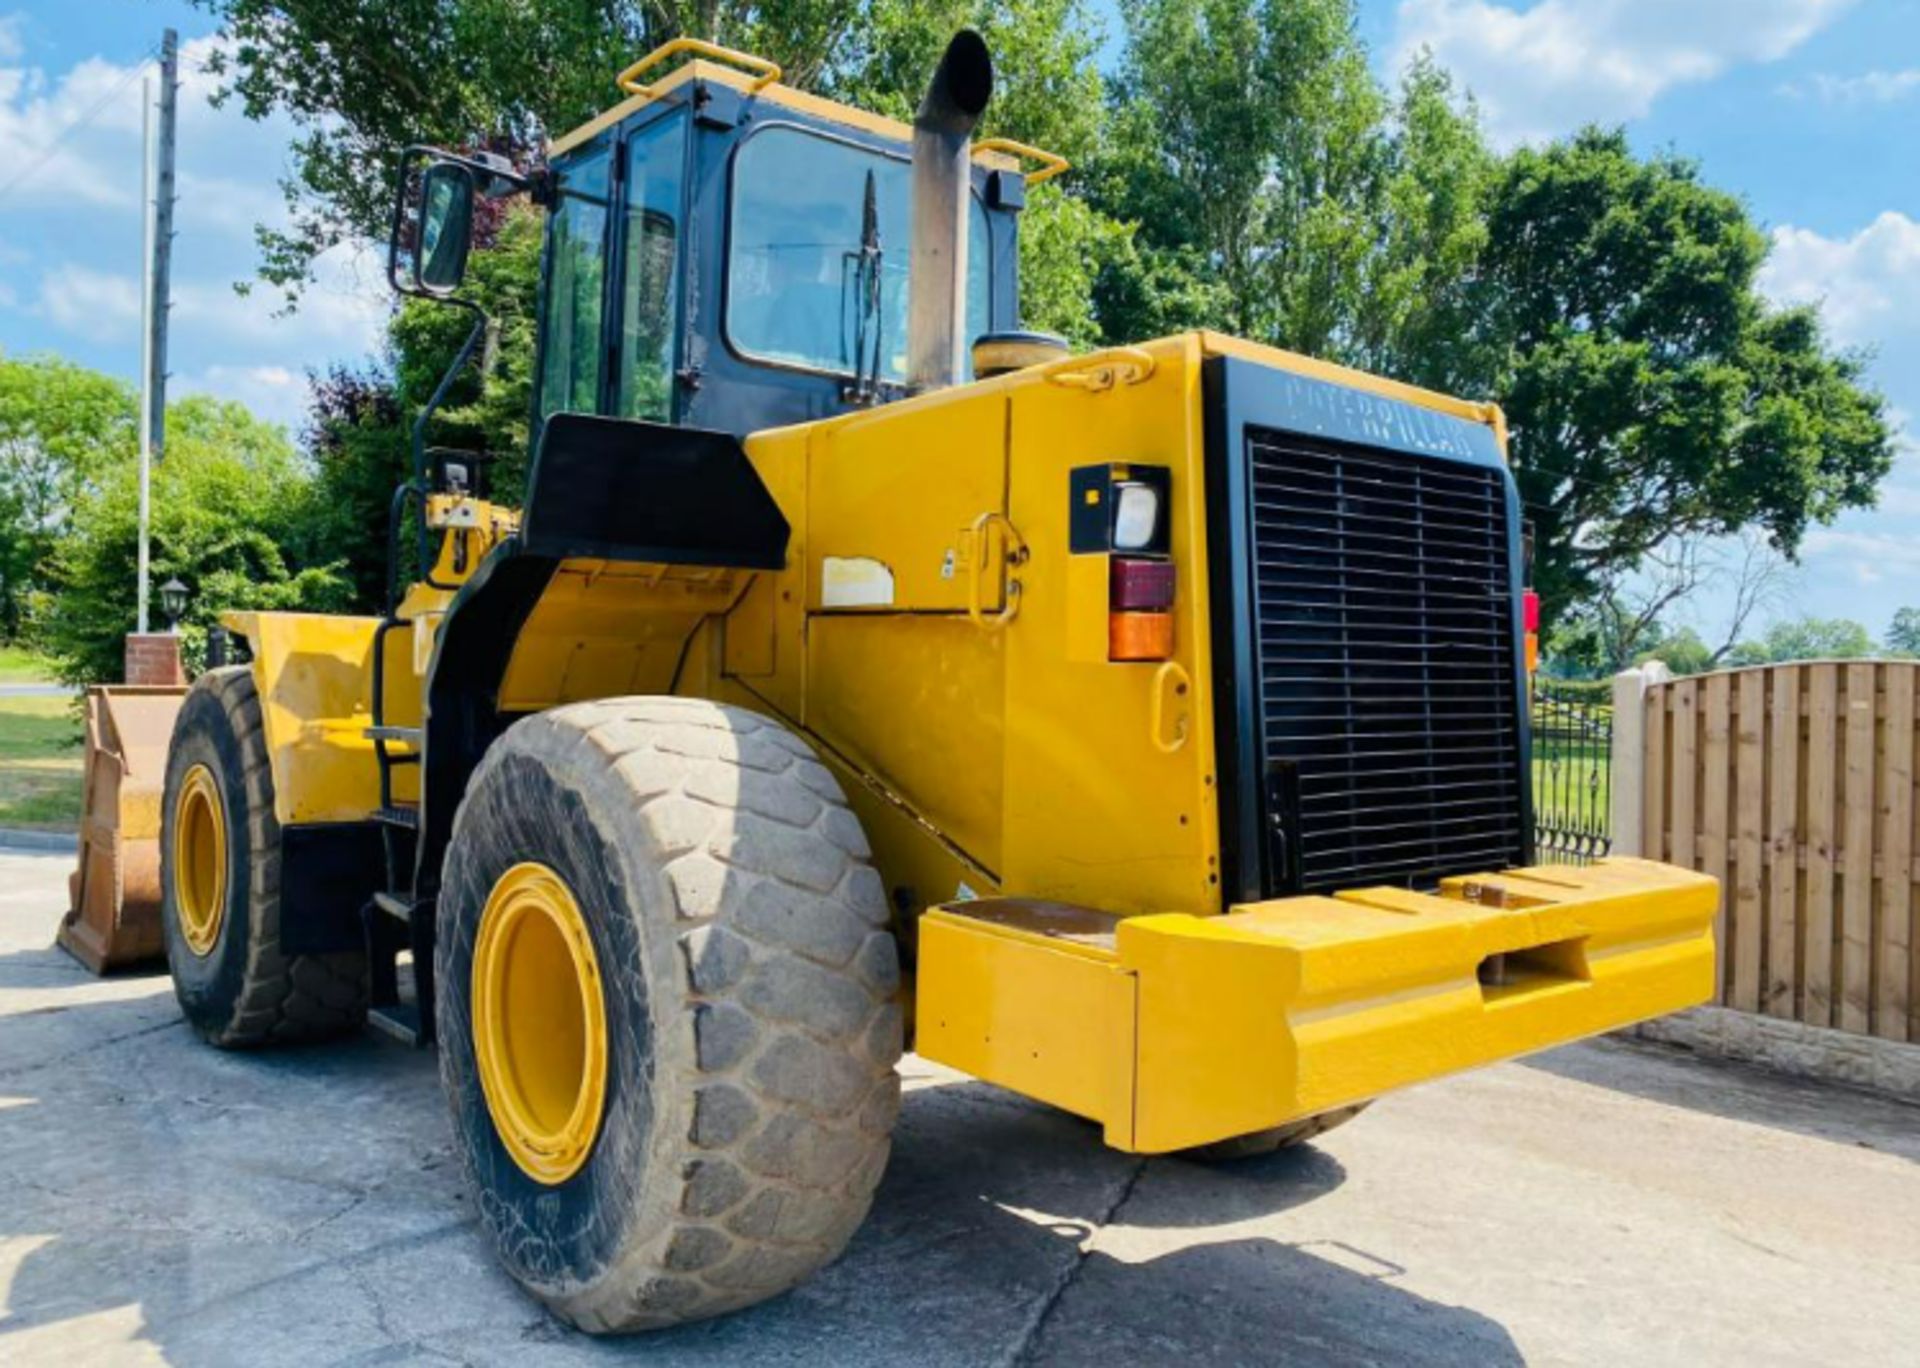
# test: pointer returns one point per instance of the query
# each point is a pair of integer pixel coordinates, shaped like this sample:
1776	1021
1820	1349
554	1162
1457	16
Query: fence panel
1572	769
1795	786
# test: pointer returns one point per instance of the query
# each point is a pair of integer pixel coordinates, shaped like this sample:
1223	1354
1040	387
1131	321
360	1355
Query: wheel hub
539	1023
200	860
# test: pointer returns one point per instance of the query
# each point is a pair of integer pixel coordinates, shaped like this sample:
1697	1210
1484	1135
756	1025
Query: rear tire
220	866
1272	1141
744	982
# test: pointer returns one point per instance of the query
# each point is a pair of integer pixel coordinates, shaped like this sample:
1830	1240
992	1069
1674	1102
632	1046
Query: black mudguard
601	488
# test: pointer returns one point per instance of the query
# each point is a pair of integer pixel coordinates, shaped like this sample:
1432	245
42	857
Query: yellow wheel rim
539	1023
200	860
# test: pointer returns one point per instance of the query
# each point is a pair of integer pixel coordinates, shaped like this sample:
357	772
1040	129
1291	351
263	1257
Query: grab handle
979	547
1170	681
1105	369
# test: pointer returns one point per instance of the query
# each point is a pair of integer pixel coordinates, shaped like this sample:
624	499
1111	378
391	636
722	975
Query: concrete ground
1607	1203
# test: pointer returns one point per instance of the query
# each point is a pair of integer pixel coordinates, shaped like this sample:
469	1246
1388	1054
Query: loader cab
728	253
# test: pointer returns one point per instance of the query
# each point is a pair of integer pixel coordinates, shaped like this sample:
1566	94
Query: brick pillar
154	658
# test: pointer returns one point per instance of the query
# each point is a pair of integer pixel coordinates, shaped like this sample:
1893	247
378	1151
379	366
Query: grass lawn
18	665
39	763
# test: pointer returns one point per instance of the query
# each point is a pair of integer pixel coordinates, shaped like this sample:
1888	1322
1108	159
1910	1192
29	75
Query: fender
634	533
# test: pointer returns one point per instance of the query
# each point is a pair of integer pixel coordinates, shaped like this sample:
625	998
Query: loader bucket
114	917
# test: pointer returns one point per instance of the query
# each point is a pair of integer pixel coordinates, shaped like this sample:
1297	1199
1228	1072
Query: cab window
794	252
576	288
649	275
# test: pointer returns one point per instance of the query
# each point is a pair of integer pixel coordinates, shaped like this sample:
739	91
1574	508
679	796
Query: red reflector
1139	636
1530	611
1141	586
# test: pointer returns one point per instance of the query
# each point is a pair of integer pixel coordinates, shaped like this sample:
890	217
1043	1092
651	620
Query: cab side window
650	272
576	288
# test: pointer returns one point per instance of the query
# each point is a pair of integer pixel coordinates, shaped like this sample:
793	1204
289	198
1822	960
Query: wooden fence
1794	785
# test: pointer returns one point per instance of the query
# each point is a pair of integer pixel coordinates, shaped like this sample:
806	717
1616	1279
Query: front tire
220	885
700	1117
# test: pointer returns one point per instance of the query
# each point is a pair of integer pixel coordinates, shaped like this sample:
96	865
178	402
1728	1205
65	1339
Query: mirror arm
418	437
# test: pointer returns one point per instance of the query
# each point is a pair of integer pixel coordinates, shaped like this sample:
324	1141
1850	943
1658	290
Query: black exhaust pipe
942	186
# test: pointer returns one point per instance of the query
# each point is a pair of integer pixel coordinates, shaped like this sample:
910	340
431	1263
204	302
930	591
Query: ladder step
398	816
394	905
401	1020
406	736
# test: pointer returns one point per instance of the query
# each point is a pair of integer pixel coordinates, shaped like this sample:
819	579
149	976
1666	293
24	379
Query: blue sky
1805	107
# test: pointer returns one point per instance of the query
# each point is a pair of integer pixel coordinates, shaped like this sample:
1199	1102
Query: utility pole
146	336
163	237
156	242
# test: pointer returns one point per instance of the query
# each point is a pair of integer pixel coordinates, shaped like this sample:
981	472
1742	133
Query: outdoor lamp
173	602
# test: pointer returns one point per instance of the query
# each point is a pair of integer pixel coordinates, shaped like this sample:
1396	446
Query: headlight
1136	515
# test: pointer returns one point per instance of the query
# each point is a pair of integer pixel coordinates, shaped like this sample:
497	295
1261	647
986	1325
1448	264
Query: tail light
1122	512
1140	609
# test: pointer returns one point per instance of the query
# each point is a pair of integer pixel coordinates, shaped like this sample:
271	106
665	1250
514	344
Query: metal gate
1572	769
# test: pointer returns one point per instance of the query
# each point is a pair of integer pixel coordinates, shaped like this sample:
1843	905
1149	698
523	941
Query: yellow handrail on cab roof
1051	163
765	73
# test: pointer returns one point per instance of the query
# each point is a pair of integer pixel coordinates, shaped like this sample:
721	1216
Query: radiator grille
1386	660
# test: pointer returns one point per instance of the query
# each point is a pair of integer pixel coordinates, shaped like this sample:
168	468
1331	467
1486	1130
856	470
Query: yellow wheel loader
1142	731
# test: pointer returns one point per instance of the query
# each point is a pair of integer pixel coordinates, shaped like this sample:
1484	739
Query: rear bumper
1174	1030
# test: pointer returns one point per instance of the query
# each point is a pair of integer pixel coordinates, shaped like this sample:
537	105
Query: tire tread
283	999
788	1053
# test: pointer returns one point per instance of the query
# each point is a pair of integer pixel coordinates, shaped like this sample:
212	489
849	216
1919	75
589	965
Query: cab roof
749	85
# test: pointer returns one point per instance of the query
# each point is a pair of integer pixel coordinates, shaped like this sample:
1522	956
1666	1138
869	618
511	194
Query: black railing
1572	769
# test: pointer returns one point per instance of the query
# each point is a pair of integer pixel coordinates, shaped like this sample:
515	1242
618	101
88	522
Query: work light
1136	515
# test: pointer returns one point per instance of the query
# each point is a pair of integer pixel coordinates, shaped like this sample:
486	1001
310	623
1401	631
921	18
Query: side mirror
445	226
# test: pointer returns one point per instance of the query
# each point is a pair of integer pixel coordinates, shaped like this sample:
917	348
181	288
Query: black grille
1385	663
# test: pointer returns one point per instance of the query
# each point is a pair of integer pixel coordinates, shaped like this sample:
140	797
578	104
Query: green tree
1413	301
1245	145
1651	393
357	438
362	79
1812	638
233	517
61	426
1682	652
1904	635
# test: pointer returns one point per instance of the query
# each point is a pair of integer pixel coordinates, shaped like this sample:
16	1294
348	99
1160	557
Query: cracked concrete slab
162	1202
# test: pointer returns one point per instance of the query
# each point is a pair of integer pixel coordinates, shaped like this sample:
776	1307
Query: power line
79	122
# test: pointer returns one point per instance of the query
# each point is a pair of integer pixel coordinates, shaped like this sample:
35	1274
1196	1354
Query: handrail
765	73
1014	546
1051	163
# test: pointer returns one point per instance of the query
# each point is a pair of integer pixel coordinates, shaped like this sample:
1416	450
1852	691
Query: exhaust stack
942	187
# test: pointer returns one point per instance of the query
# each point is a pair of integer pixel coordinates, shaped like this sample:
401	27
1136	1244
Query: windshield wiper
867	264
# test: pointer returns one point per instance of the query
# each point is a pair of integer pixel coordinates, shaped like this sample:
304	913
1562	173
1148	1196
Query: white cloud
57	139
75	139
96	305
1542	71
1901	500
1868	88
270	392
343	311
1868	285
1881	550
342	314
12	43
